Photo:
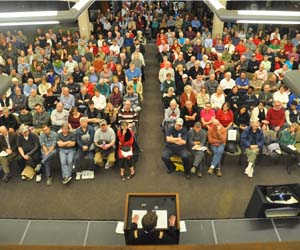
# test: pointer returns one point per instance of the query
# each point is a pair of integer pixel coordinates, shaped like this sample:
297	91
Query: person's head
216	122
228	75
149	221
3	130
235	89
127	105
173	104
243	109
24	130
83	122
83	90
188	104
65	128
293	127
225	106
103	125
38	108
188	89
65	91
254	124
5	112
293	105
197	126
212	77
178	124
74	111
124	125
219	90
130	90
46	129
59	107
277	105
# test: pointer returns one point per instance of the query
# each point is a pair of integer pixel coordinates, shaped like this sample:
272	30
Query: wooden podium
151	202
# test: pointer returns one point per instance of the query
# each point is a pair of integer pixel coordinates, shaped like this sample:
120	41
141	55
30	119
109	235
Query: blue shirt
27	89
136	73
68	101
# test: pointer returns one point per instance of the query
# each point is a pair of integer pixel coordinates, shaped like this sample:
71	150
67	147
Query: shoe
250	173
219	172
187	176
278	151
247	169
211	171
298	164
23	178
130	176
6	177
78	176
67	180
38	178
193	170
170	170
49	180
123	178
38	167
199	174
107	165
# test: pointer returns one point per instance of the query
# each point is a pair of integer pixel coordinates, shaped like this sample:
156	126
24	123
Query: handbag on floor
28	172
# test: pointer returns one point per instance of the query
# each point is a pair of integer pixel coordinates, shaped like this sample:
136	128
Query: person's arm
36	144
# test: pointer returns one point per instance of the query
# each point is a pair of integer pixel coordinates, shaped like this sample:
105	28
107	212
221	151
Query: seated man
66	144
29	150
48	148
196	139
8	143
40	118
217	135
82	99
104	140
276	117
176	138
133	98
9	120
190	114
149	235
252	141
59	116
94	115
84	140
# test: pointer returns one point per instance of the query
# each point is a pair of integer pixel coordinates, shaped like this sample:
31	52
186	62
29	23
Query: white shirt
100	101
282	97
227	84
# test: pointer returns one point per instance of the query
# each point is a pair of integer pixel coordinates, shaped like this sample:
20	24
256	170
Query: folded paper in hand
292	147
198	147
3	153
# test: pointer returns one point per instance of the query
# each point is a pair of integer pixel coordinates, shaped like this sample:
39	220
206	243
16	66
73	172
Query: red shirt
240	48
275	117
224	118
90	88
218	64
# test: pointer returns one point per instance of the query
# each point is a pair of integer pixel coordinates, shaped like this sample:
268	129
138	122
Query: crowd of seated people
230	86
74	97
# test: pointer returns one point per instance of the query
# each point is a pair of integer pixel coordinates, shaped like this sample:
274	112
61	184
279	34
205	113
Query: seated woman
217	135
217	99
287	140
260	112
225	116
125	150
74	118
207	115
242	118
116	97
202	98
188	94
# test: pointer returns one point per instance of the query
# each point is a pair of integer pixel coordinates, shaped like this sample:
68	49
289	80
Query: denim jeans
218	152
66	156
168	153
79	156
46	161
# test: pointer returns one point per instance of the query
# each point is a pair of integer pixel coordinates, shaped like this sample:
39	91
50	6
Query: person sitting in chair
149	235
252	141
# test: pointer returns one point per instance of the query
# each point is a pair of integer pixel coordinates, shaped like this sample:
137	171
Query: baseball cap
179	121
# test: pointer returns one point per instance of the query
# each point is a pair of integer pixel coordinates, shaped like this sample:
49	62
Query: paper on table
162	218
120	227
182	226
140	213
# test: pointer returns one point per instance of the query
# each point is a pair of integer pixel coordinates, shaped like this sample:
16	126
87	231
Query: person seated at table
149	235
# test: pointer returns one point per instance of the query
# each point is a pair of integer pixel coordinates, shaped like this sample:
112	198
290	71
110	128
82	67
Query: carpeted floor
104	197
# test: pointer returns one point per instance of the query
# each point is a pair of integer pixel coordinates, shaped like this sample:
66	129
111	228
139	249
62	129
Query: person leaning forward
176	137
149	235
8	143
